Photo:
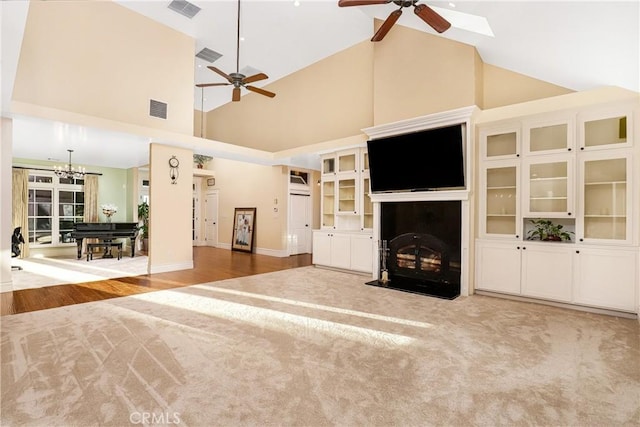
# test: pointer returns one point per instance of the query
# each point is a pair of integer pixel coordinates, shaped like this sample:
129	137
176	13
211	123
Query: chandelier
68	171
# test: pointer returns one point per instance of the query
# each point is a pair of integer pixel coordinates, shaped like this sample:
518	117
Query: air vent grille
157	109
208	55
184	8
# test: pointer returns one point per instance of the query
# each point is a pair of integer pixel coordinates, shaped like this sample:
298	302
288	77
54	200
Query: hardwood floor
210	264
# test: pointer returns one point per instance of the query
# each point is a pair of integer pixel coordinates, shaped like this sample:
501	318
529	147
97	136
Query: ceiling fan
237	79
425	13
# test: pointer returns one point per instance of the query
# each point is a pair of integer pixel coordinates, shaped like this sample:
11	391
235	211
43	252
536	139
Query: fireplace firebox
422	247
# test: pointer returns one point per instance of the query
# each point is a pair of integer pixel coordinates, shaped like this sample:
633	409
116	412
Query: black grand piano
105	231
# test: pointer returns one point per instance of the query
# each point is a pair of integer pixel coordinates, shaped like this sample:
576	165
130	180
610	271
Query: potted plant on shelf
201	159
143	216
546	230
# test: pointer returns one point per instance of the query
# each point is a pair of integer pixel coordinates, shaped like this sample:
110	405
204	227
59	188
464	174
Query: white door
299	224
211	219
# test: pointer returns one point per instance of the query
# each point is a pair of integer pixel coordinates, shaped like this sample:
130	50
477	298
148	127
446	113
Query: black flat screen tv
420	161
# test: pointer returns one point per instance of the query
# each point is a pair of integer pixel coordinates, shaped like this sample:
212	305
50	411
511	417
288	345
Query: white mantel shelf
416	196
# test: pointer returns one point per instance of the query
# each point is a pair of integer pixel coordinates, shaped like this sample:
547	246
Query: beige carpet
313	347
40	272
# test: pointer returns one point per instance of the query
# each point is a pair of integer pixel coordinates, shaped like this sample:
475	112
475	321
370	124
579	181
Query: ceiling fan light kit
428	15
238	79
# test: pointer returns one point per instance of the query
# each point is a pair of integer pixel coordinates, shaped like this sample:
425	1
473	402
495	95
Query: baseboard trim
280	253
6	286
587	309
166	268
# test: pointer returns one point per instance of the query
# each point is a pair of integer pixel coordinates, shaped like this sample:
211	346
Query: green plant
546	230
201	159
143	215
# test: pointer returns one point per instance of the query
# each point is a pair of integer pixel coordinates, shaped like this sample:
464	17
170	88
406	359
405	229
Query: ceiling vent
157	109
208	55
184	8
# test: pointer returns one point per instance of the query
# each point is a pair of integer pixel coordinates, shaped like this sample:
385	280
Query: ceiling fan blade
432	18
346	3
212	84
386	25
236	94
222	73
255	78
261	91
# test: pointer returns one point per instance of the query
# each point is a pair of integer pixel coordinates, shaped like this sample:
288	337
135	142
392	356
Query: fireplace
422	247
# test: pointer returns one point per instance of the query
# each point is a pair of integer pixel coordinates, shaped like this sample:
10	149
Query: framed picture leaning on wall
244	223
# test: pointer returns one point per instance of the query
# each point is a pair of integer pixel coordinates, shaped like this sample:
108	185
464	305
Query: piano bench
107	249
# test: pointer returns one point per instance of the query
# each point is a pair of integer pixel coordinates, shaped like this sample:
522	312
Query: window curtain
91	198
20	206
90	204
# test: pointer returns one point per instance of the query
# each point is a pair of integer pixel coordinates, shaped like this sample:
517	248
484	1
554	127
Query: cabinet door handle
517	247
581	239
577	252
568	149
582	148
568	213
524	247
517	237
517	155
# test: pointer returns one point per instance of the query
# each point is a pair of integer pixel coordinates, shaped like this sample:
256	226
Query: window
54	205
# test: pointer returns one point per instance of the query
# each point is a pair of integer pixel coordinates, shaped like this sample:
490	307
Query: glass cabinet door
328	165
500	144
328	203
501	200
347	161
549	188
347	196
548	138
605	198
367	205
605	132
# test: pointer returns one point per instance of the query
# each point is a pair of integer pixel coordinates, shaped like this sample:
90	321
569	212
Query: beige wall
100	59
327	100
409	74
246	185
416	74
170	244
503	87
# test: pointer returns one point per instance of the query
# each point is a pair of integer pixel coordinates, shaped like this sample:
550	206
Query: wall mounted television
432	159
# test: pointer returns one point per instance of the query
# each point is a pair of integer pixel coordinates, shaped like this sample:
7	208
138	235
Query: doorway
211	218
299	224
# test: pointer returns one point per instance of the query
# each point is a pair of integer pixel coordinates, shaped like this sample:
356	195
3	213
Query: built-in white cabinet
346	199
332	249
362	252
348	251
498	266
606	278
548	186
575	169
599	277
547	271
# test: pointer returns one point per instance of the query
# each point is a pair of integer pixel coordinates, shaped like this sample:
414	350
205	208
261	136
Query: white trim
452	117
414	196
6	286
166	268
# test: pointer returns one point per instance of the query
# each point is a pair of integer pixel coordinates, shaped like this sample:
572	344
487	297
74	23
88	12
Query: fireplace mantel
419	196
447	118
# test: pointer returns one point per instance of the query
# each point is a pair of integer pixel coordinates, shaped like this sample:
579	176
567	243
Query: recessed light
452	4
241	39
296	3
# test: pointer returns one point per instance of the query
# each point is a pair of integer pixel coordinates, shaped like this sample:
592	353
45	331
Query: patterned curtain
20	202
91	198
90	204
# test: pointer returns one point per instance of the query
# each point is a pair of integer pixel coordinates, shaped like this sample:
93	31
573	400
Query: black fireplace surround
424	247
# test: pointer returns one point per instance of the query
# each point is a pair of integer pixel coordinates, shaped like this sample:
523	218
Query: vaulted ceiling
579	45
